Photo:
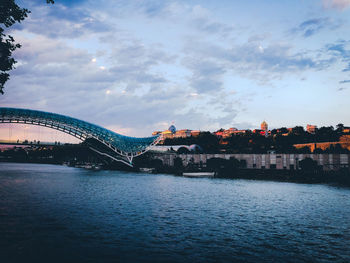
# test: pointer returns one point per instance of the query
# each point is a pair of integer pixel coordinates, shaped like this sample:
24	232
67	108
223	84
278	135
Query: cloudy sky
137	66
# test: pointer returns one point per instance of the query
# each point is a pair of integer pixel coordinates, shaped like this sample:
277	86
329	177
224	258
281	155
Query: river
51	213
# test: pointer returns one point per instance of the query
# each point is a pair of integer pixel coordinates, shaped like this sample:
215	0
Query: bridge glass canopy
79	128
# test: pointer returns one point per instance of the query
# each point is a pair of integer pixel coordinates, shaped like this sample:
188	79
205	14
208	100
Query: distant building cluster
229	132
234	131
172	133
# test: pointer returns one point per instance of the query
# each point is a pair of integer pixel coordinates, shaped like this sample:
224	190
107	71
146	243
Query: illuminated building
195	133
264	128
219	133
182	133
156	133
239	132
228	133
311	128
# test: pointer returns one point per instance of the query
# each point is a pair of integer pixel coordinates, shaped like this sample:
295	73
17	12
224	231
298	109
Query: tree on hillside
10	13
283	130
327	134
308	165
178	164
298	130
340	127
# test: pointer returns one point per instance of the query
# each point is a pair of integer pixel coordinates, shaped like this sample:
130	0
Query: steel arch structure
125	147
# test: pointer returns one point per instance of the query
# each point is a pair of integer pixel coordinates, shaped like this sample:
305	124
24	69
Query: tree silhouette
340	127
10	13
308	165
178	164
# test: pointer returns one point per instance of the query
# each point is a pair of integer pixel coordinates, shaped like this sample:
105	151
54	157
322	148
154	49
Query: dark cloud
340	48
132	63
195	16
340	51
277	58
312	26
347	68
250	60
153	8
206	74
59	21
208	26
344	81
205	84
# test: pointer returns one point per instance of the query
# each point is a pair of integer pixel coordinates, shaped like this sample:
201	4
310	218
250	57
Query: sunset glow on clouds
339	4
200	64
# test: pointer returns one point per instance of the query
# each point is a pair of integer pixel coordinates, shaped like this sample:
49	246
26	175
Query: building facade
311	128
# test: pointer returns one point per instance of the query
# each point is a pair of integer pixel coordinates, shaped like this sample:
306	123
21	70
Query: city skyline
136	67
21	132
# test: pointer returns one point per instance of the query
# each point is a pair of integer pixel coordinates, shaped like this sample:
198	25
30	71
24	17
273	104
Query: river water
54	213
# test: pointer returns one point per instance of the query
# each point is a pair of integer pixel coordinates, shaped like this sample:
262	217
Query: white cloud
141	64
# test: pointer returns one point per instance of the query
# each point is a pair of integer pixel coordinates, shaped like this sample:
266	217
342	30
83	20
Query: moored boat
199	174
147	170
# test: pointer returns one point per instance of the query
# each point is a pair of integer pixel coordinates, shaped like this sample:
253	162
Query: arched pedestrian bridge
120	148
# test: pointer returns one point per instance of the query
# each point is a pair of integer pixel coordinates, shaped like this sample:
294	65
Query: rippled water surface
60	214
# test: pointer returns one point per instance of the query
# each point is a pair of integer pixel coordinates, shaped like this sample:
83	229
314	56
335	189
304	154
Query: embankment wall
328	162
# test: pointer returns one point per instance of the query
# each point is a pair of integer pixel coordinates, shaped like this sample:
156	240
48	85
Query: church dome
172	129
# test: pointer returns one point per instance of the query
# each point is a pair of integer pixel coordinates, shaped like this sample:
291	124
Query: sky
138	66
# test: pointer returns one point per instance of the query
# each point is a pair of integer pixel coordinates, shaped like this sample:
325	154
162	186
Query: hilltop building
311	128
219	133
229	132
183	133
171	133
264	128
167	134
195	133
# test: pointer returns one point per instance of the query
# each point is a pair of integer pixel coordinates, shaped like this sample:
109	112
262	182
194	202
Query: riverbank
340	177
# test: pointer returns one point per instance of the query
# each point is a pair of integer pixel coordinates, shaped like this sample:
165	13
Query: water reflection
62	214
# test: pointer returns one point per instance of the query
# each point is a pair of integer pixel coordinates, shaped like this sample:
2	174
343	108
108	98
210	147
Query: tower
264	127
